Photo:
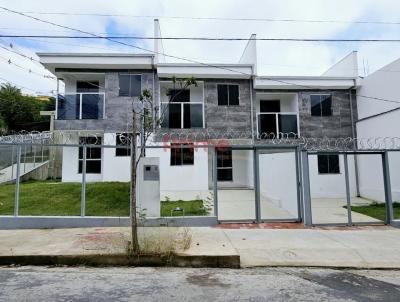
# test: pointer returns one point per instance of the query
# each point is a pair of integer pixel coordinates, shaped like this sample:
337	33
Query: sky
274	58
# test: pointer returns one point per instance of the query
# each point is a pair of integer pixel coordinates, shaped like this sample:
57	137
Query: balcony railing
181	115
273	125
81	106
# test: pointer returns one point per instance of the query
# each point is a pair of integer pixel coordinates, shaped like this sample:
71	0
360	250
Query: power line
198	38
287	20
20	86
168	55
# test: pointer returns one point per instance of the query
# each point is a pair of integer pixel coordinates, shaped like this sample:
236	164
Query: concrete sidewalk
362	247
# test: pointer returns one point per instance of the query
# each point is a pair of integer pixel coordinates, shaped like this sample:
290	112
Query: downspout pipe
353	131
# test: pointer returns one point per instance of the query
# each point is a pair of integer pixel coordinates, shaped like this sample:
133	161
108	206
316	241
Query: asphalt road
175	284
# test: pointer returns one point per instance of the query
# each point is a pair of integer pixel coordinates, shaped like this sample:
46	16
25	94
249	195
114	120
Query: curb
226	261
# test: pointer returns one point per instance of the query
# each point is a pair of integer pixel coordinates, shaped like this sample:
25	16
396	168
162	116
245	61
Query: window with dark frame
182	154
228	94
328	164
123	140
93	155
321	104
130	85
224	164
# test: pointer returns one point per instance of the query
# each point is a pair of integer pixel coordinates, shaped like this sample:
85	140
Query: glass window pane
287	123
267	125
92	86
323	164
222	95
233	95
68	107
333	161
164	116
179	95
124	85
224	174
187	156
123	139
186	116
92	106
315	105
136	85
326	105
175	116
270	106
196	115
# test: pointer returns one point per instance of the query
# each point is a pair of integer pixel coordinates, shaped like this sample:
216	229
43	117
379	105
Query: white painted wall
70	163
384	84
370	169
331	185
115	168
278	181
182	182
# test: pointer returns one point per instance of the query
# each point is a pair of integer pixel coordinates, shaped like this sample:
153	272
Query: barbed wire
166	137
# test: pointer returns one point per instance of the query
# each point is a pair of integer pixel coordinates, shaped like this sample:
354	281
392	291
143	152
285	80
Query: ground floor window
93	155
182	154
123	140
224	164
328	164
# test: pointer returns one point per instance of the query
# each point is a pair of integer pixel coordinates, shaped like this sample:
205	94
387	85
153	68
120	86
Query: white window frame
182	113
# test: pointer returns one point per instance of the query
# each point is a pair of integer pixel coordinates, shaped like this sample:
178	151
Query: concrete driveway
331	210
239	204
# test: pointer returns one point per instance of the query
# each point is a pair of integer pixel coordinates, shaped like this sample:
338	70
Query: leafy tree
21	112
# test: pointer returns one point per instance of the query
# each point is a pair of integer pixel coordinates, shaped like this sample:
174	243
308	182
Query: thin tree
146	122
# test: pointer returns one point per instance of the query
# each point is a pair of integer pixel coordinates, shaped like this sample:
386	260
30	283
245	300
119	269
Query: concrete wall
278	181
331	185
115	168
224	118
337	125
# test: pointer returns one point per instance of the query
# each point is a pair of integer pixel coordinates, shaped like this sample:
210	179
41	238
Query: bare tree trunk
134	230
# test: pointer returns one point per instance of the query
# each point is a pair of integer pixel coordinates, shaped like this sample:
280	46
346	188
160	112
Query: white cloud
273	57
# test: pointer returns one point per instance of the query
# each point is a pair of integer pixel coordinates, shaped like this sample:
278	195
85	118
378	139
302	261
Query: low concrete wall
45	222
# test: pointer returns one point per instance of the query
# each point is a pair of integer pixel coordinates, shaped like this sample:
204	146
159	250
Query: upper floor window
130	85
321	105
93	155
228	94
123	141
328	164
182	154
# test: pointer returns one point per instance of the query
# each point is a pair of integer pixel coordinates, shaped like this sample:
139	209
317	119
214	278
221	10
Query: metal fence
86	183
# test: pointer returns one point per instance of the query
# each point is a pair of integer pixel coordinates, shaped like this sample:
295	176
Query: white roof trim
304	82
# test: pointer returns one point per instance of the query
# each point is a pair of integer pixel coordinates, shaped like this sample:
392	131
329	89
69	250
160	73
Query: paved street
174	284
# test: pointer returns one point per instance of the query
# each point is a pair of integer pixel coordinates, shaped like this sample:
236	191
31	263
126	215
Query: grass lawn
377	210
191	207
55	198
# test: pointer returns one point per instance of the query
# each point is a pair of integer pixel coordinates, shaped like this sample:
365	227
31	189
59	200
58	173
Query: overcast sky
274	58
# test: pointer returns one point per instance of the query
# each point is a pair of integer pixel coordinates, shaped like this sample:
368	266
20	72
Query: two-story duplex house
230	101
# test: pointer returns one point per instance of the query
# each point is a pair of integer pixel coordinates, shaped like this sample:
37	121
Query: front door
224	164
